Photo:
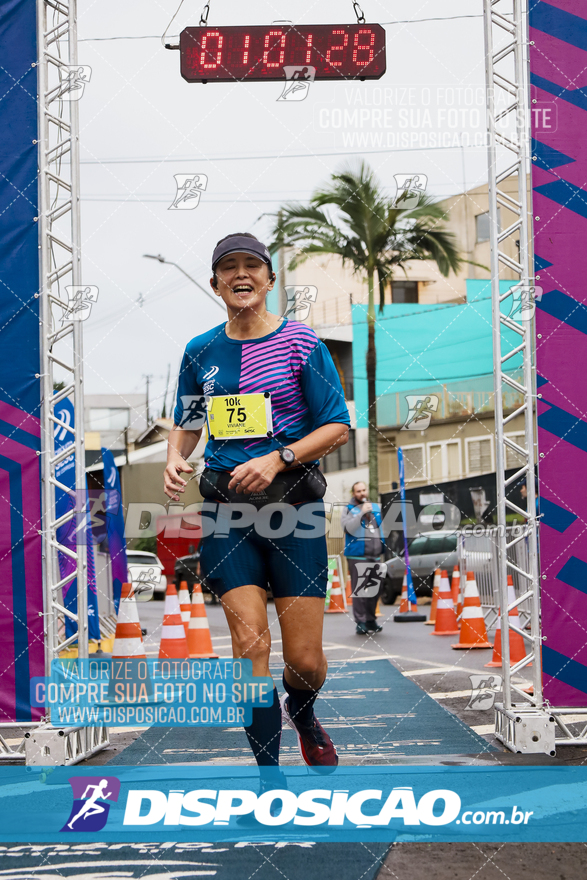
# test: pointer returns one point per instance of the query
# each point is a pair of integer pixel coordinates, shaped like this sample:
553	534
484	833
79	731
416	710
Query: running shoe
316	747
362	629
373	627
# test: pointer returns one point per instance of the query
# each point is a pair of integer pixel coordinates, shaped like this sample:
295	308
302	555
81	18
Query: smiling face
243	281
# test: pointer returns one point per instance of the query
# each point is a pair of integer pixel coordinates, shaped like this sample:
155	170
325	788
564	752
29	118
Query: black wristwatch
287	456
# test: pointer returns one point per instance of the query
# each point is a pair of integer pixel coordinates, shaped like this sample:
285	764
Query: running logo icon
370	576
409	190
299	300
420	411
80	300
74	79
298	78
194	411
90	802
484	689
189	188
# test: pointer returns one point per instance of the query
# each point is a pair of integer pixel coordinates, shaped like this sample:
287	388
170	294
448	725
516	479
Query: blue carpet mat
241	861
372	712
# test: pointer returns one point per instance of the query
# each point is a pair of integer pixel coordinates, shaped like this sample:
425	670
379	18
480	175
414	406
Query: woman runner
258	353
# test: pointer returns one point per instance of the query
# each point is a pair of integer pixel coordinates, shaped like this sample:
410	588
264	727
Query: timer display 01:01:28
337	52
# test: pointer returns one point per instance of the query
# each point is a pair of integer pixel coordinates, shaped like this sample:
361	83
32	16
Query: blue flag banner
115	525
224	803
70	533
402	488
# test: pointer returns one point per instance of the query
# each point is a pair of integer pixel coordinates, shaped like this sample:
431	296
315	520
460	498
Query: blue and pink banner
558	63
21	581
115	525
78	529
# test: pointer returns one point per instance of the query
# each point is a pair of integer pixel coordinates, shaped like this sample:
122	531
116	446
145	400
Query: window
109	419
441	544
479	455
482	225
341	459
404	291
513	459
418	546
414	463
444	461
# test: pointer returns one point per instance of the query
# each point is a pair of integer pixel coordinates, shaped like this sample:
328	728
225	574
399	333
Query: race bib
240	416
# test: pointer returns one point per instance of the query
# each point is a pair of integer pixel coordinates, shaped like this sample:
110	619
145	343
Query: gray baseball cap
241	244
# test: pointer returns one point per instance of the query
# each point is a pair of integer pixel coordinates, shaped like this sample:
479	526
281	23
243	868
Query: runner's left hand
256	474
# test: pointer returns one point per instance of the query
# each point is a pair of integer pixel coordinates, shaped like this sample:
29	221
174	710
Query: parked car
143	566
429	551
187	568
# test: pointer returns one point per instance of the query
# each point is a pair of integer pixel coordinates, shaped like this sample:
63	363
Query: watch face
288	456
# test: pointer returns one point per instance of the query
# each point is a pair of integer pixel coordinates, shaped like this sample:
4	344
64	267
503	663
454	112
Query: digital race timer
338	51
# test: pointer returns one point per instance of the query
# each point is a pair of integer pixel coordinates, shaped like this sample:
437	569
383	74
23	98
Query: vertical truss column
61	356
61	341
506	44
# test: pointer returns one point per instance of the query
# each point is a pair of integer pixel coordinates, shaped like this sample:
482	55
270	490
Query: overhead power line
399	21
138	161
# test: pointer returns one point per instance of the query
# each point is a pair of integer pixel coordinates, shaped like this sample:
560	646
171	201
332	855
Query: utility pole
147	378
164	410
281	294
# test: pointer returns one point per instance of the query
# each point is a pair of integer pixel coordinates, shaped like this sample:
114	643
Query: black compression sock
301	702
264	733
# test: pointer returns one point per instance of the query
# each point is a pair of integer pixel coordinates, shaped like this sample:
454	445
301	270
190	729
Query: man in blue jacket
364	545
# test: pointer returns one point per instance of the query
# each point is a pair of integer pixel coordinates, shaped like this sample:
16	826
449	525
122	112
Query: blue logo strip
368	804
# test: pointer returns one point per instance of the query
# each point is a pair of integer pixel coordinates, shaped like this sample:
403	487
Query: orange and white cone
404	605
517	647
128	639
455	588
408	611
173	641
185	606
435	590
473	631
446	618
349	590
199	638
336	604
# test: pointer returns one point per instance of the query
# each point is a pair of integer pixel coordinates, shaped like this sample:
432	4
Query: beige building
452	448
467	218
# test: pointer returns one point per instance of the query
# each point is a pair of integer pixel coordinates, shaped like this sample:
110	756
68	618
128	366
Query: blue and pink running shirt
292	363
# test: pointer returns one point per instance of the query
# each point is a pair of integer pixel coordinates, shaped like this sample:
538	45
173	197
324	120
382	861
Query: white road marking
483	728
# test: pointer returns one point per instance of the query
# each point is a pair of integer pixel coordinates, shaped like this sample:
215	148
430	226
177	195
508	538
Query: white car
146	568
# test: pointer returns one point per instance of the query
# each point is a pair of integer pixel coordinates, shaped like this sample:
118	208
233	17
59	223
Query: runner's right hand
173	482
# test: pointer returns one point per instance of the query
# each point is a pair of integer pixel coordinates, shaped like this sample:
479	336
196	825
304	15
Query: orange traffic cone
455	588
517	647
185	607
408	611
446	618
473	631
336	604
199	638
128	639
435	589
173	641
349	590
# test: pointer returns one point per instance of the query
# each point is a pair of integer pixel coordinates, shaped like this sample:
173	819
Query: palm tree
373	235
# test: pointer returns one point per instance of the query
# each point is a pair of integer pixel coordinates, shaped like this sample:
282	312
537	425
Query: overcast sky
137	107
